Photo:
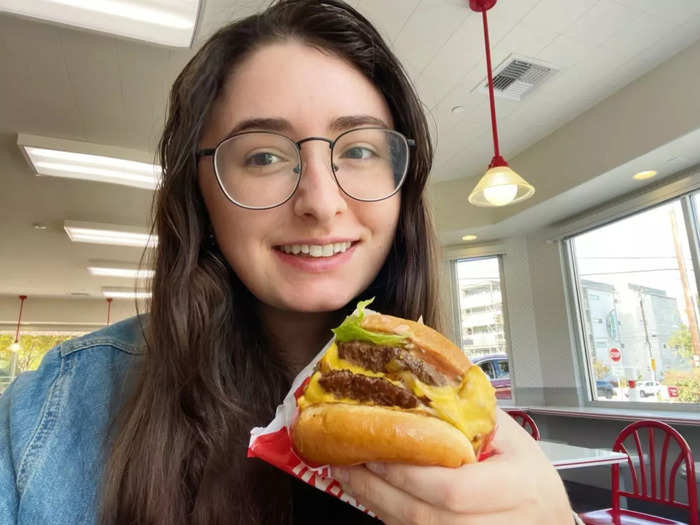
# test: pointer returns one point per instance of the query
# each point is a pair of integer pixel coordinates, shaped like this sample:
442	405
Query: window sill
618	414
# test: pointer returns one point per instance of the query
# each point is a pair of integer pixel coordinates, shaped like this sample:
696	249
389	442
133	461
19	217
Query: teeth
316	250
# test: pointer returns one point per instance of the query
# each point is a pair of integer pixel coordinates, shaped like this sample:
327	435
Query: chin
320	299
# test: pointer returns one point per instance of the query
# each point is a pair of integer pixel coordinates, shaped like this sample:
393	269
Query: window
637	300
482	335
28	357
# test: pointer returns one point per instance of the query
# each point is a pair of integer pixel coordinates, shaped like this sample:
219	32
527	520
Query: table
565	456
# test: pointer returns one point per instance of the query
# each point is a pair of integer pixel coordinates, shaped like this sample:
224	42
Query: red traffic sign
615	354
673	391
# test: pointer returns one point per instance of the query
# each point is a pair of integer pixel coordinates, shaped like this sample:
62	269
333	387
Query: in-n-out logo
322	481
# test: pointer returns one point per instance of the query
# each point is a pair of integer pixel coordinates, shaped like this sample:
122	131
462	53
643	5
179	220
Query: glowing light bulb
14	347
501	195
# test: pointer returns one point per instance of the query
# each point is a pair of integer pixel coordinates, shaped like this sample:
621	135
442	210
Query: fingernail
378	468
342	475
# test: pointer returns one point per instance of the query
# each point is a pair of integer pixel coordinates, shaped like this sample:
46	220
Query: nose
318	196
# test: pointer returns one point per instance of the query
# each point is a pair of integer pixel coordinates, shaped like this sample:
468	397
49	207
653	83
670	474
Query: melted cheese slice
469	405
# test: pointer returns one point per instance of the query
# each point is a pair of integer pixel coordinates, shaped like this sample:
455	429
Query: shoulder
125	336
74	390
96	351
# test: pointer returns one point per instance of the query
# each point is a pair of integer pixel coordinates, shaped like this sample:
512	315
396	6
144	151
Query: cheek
387	217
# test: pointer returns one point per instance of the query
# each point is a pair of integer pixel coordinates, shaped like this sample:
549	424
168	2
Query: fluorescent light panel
117	269
84	166
166	23
125	293
97	233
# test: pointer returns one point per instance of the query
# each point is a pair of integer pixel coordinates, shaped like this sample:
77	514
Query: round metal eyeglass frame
213	152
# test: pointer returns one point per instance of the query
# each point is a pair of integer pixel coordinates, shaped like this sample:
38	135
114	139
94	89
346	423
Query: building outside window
638	306
481	320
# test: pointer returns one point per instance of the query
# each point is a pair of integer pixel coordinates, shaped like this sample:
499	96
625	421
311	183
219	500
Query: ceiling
72	84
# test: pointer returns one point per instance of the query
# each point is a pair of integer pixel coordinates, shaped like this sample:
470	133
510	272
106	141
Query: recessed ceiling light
642	175
86	161
125	293
40	226
457	109
167	23
117	269
469	237
98	233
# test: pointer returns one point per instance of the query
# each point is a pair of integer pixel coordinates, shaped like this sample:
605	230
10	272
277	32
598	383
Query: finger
390	504
510	436
471	488
465	490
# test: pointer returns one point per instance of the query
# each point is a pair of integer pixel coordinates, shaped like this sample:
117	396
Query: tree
31	352
600	370
688	384
680	340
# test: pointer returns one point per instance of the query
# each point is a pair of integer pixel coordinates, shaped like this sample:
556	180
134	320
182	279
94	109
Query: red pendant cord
19	318
493	103
109	308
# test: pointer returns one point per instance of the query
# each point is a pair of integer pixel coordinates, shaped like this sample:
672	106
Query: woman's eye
358	152
263	159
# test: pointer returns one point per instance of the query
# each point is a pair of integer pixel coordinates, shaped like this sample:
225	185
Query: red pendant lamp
14	347
500	185
109	308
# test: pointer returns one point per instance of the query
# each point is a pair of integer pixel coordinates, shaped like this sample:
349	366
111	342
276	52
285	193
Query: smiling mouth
316	250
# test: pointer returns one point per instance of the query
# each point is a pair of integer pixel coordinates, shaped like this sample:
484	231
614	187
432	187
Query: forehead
300	83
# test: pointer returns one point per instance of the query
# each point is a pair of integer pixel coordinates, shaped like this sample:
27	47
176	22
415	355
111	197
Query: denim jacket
52	426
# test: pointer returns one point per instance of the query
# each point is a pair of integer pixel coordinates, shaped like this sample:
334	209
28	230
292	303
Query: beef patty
379	358
343	383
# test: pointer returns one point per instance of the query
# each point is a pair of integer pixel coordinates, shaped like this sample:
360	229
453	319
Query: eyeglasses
259	170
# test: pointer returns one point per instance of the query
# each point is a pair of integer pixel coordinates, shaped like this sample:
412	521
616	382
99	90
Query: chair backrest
525	421
650	478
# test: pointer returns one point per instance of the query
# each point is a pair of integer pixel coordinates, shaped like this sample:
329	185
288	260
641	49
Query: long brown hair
176	451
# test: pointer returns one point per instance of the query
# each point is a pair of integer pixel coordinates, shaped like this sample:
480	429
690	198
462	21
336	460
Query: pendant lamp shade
500	185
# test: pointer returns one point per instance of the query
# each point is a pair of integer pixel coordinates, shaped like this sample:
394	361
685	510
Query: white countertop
565	456
619	414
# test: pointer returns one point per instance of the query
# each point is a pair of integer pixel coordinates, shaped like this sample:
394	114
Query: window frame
497	254
585	379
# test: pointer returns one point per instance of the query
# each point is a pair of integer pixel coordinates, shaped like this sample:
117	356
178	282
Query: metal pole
646	336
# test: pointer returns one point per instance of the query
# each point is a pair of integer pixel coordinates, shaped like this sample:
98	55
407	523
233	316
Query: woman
272	149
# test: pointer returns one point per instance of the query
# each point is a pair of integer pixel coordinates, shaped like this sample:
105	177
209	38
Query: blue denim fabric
53	422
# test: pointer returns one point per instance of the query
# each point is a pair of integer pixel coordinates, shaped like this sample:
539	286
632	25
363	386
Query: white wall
61	314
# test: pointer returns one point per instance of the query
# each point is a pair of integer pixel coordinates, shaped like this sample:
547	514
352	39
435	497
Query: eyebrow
284	126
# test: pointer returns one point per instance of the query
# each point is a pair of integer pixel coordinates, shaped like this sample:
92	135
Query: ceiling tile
37	93
389	16
428	29
603	21
556	15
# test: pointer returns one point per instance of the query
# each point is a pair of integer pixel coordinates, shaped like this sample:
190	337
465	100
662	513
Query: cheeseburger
392	390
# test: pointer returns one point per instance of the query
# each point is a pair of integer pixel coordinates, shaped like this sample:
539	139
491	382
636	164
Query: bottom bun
344	434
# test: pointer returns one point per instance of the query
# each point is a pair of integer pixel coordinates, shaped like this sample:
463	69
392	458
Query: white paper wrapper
273	443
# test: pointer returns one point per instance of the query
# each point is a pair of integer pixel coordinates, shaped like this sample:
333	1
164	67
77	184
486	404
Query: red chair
525	421
649	479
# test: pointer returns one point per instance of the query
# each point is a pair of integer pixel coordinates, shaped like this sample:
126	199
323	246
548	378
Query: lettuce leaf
350	329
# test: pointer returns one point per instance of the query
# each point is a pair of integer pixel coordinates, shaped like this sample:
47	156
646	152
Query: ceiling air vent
517	76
